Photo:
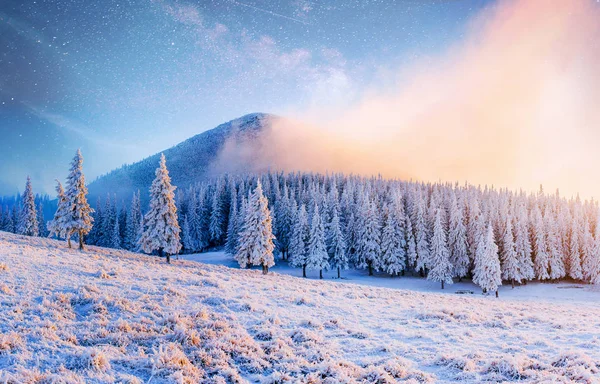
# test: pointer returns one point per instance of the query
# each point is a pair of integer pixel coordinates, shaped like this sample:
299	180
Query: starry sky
123	79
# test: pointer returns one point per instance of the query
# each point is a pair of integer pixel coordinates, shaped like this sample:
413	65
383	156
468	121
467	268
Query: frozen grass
112	316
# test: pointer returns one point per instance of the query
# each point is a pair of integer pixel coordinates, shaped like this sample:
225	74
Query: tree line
441	231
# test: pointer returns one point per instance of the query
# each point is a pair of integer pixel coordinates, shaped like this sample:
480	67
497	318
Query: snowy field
112	316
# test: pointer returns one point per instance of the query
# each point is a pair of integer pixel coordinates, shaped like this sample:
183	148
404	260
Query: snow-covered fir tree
299	242
457	240
28	220
508	256
487	273
80	220
317	250
368	251
440	268
393	243
134	223
161	228
57	226
256	237
541	257
336	244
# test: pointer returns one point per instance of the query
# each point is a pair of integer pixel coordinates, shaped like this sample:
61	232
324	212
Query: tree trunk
496	293
320	274
81	240
338	272
69	240
403	272
512	282
484	290
370	269
168	258
304	270
442	284
265	269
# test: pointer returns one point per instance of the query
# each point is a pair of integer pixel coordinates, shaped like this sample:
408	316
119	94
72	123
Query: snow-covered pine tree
588	249
186	236
368	252
523	243
487	273
457	240
161	229
28	223
216	215
336	244
440	269
574	255
509	257
256	237
393	252
317	250
298	251
115	238
420	230
555	256
541	260
42	231
594	259
411	246
57	226
134	220
231	245
80	221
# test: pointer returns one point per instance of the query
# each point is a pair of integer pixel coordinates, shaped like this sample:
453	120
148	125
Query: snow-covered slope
188	162
111	316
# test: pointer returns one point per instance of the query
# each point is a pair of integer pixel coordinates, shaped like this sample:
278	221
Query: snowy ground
110	316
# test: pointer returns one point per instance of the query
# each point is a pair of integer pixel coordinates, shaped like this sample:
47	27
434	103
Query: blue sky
124	79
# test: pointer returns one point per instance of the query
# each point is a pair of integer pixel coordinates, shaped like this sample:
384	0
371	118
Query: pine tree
541	261
487	273
574	255
594	259
457	241
299	241
231	245
186	234
368	252
588	250
256	237
58	225
28	223
523	244
134	220
411	246
115	238
555	257
440	268
336	244
216	216
161	229
42	231
317	251
420	229
509	257
393	253
80	221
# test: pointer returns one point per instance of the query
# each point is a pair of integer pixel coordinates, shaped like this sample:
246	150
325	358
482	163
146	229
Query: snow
103	315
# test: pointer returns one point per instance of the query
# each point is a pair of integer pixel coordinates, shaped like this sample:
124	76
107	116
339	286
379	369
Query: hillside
113	316
188	161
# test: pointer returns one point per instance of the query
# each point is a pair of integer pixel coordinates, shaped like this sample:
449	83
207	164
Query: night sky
124	79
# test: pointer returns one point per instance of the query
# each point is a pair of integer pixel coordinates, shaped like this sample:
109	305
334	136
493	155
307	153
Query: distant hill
188	162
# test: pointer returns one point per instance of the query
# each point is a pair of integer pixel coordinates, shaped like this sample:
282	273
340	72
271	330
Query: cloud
513	104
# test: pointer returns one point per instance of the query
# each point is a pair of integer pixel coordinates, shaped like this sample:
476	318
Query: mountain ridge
188	161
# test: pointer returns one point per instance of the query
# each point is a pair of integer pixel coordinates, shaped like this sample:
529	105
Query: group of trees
441	231
320	222
11	212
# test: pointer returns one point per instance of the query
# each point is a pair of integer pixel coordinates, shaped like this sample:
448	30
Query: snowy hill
113	316
188	161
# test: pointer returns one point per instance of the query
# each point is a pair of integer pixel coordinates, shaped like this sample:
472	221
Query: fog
513	104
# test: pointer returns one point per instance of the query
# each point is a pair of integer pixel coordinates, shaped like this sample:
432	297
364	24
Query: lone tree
256	237
161	229
57	226
79	219
28	223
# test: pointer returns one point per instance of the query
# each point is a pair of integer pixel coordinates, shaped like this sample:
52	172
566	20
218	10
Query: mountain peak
188	162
